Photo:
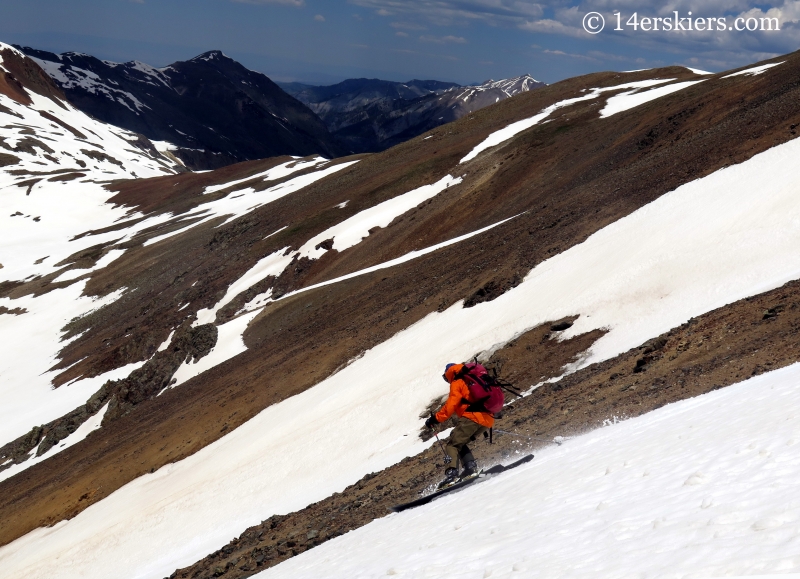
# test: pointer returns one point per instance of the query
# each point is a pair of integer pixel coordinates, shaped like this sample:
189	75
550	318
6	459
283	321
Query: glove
431	422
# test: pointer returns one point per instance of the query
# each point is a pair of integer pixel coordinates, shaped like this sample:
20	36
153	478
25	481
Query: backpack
485	388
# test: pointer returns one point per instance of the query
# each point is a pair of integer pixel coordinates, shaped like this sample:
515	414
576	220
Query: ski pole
447	459
559	440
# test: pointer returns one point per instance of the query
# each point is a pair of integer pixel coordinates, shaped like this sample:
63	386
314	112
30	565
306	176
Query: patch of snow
271	265
271	174
276	232
754	71
164	146
120	162
155	75
70	77
191	219
80	433
342	205
165	344
628	100
258	301
352	230
229	344
4	46
104	261
697	70
233	205
705	487
517	127
242	201
397	261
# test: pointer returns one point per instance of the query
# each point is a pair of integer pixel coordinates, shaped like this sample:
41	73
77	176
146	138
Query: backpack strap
475	406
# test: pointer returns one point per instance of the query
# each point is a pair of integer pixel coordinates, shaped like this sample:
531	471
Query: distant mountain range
370	115
209	111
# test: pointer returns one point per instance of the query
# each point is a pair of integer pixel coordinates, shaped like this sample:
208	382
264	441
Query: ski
495	470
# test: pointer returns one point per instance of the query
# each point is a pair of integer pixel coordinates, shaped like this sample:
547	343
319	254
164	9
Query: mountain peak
210	56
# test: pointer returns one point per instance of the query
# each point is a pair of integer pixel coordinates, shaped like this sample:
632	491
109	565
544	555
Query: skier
473	421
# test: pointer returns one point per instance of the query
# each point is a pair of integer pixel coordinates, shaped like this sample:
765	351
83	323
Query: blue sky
325	41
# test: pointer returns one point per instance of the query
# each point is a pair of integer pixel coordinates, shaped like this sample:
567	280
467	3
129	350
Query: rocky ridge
208	111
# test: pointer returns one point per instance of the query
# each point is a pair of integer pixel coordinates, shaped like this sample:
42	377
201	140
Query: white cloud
568	54
550	26
319	18
450	12
717	50
444	39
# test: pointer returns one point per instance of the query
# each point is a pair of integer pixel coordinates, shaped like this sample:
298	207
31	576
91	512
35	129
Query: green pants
456	448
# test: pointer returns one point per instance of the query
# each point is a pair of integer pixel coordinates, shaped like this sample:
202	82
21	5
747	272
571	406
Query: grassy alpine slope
564	180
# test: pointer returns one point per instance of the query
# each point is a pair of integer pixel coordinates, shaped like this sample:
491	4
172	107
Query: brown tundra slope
559	181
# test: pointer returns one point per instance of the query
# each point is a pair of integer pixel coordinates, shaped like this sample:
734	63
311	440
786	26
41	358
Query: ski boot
470	470
450	476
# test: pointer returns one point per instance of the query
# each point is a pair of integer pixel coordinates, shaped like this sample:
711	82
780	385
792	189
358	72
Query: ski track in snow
706	244
705	487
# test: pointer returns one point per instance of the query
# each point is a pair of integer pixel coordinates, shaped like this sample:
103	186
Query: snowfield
706	487
707	243
32	248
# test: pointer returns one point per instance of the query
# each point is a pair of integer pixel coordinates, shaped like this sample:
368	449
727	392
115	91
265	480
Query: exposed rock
188	344
211	108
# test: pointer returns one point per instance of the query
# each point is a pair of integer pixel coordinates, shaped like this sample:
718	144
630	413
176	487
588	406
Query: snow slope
68	209
70	76
705	244
73	142
40	213
705	487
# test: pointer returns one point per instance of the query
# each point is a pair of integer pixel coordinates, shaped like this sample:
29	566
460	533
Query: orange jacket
458	391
